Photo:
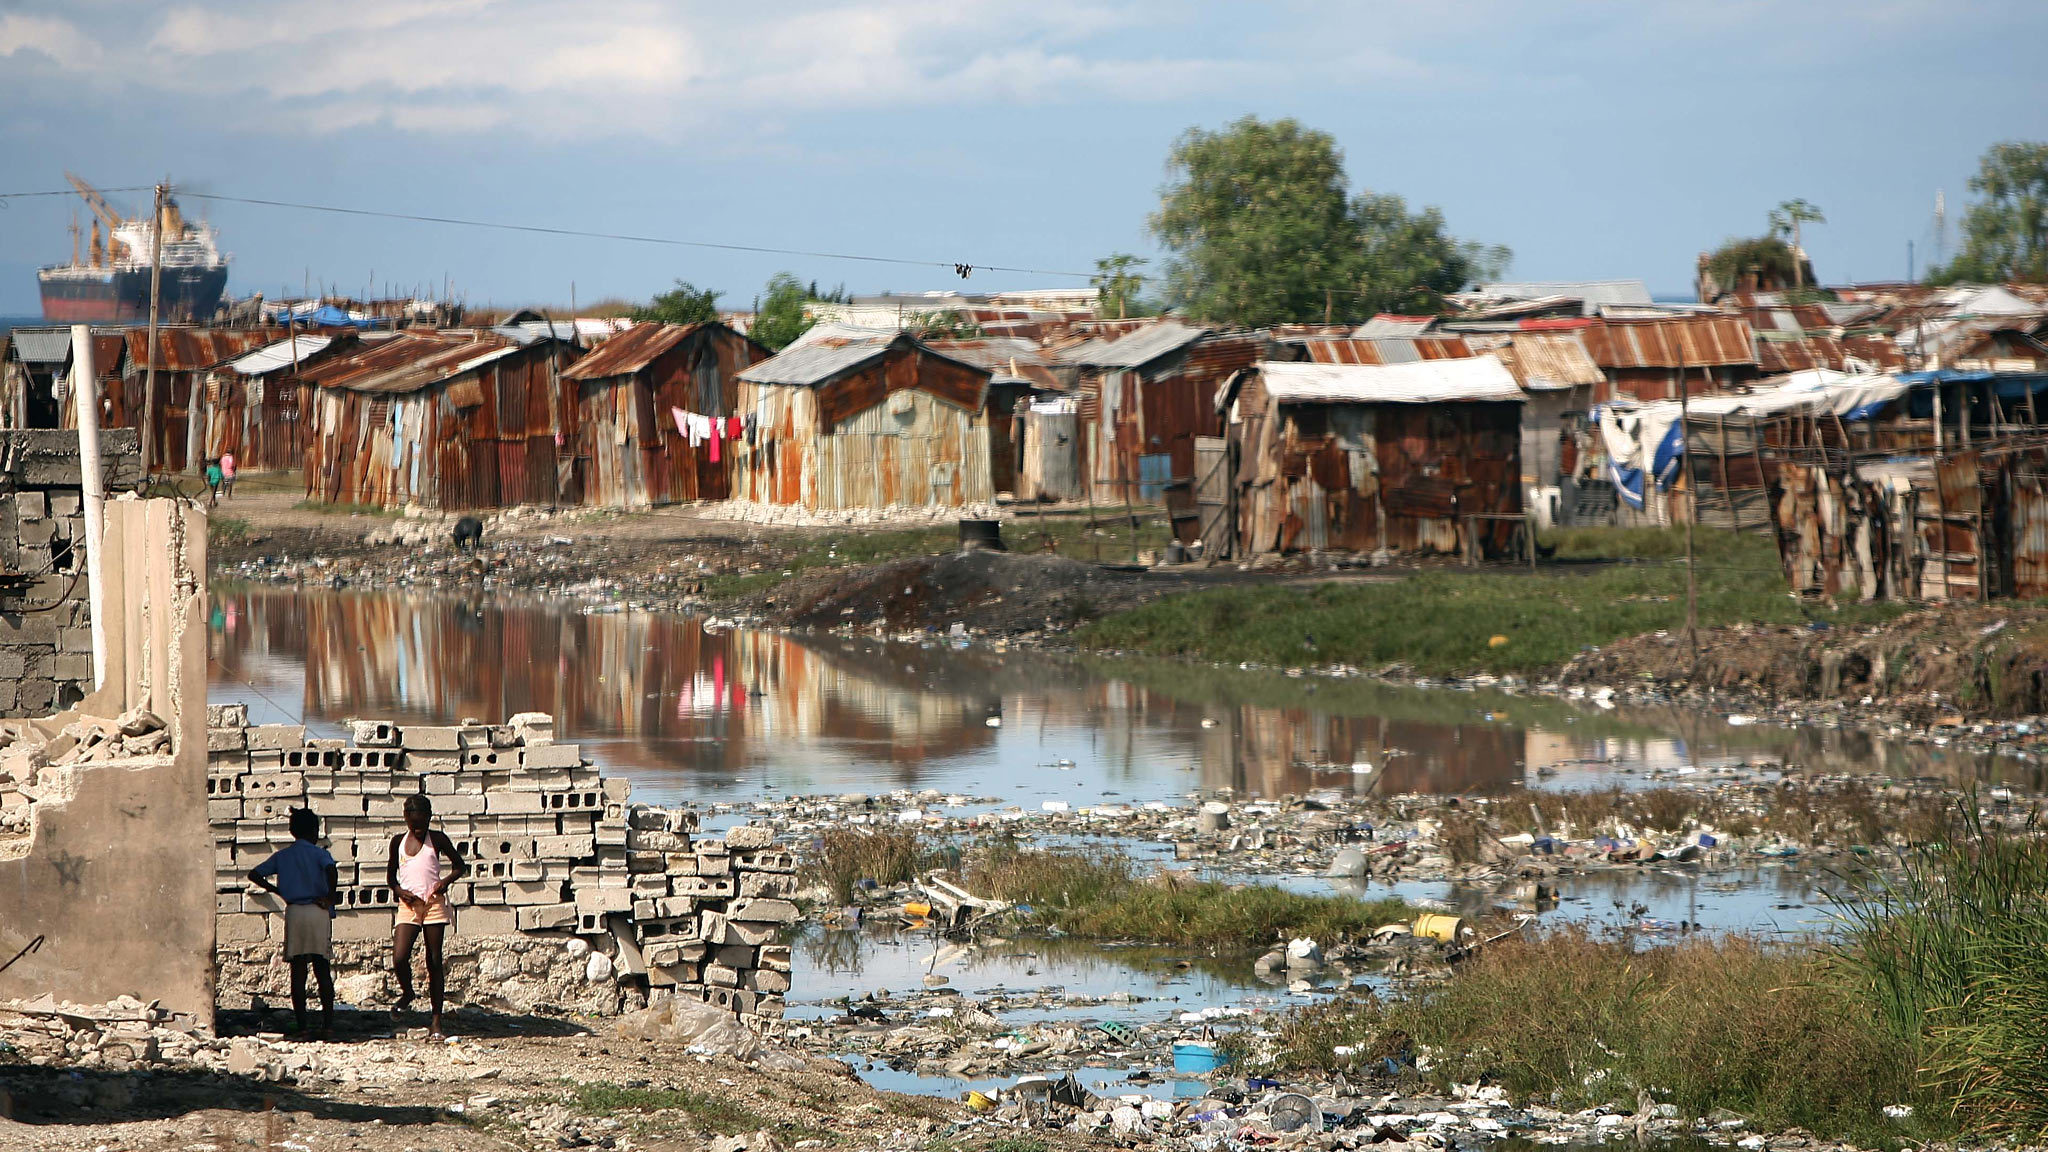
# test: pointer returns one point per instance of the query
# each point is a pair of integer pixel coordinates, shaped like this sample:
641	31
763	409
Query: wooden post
1692	496
156	279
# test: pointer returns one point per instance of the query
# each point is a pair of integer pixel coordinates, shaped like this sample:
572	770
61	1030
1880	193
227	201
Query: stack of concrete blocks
556	851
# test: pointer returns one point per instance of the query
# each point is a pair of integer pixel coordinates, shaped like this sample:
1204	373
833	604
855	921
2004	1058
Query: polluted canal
816	732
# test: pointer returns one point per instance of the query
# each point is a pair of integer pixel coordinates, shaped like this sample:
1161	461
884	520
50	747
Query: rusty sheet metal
1383	350
1549	360
194	349
1689	341
2028	517
1007	360
408	362
630	351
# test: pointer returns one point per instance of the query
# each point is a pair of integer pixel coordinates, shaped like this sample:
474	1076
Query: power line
73	192
960	267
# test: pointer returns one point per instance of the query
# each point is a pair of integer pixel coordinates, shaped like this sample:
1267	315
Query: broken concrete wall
576	899
106	887
45	623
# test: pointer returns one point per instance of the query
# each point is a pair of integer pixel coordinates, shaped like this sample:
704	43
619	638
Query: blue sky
1597	139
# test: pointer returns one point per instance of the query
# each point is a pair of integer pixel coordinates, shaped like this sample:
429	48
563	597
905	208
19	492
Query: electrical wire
960	268
73	192
297	714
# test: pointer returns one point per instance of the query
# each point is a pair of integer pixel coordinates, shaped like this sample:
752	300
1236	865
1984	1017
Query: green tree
783	313
2005	233
682	304
1117	283
1263	230
1768	257
1786	220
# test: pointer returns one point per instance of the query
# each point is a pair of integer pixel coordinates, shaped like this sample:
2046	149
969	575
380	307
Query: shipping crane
104	214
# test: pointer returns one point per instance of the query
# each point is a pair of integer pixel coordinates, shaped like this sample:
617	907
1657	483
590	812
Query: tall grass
1105	895
1953	955
1579	1020
1447	621
845	856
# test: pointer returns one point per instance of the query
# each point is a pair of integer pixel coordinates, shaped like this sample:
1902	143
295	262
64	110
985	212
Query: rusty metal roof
629	351
1543	361
1135	349
832	350
407	362
1672	342
1388	324
1389	350
195	349
1009	360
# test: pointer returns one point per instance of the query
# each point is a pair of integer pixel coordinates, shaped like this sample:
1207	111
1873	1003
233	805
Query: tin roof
1546	361
1009	360
1690	342
407	362
1592	293
1136	349
194	349
629	351
1388	324
1477	378
1390	350
42	345
282	354
832	350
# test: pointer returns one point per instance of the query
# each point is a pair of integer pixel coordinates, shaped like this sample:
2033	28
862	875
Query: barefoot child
302	874
423	864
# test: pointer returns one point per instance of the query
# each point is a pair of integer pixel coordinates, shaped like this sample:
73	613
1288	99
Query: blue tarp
2005	385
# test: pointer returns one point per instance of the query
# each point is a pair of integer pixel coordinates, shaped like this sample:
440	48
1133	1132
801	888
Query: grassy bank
1106	895
1934	997
1096	894
1601	585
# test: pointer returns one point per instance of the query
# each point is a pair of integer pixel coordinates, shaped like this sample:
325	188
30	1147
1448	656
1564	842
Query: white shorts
308	931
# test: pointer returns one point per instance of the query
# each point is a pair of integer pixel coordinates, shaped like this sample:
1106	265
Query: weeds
325	508
1767	1031
1104	895
847	855
227	529
1949	954
1446	621
720	1114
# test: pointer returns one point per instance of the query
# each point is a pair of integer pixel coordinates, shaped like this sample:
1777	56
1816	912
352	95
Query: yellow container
979	1102
1437	926
917	908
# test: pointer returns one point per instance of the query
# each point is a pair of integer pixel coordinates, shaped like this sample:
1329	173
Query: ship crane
104	211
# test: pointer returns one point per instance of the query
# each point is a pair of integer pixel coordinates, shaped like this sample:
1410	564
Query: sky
1596	139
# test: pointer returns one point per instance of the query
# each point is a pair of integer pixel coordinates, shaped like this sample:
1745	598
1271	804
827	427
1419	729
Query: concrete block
753	932
765	911
422	738
221	811
74	640
418	763
616	789
649	862
277	737
675	907
475	921
762	980
274	784
335	804
529	870
610	837
65	504
768	885
438	786
564	847
490	759
532	892
651	884
581	800
227	715
774	957
646	841
734	955
492	894
545	917
227	740
545	780
459	804
513	802
603	899
363	924
240	928
765	860
554	756
713	863
260	901
532	729
720	975
375	734
662	955
680	864
746	836
708	887
31	505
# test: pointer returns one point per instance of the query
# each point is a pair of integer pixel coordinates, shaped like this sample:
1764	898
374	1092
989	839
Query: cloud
636	67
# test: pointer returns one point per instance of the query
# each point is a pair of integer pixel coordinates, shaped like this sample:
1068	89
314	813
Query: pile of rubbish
122	1034
29	753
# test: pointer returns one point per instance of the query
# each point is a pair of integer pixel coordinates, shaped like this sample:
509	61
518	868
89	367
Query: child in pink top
422	864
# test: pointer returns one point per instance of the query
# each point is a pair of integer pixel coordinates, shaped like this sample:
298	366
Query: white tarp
279	355
1477	378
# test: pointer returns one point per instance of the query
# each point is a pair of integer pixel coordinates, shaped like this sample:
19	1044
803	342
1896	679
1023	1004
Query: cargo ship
110	284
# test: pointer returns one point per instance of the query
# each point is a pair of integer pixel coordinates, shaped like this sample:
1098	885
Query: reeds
844	856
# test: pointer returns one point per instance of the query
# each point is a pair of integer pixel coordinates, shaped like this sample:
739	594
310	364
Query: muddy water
698	713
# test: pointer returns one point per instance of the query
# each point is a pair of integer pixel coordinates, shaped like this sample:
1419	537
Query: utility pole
85	393
1692	500
156	281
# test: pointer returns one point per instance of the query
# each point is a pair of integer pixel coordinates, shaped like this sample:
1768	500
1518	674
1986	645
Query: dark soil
990	593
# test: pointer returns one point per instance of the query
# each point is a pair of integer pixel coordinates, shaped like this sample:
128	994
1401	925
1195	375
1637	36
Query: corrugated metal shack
858	418
1146	395
183	357
39	360
1651	359
1018	371
627	447
1424	456
252	405
451	420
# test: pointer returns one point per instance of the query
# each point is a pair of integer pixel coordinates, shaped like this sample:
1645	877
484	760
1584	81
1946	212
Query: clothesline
714	430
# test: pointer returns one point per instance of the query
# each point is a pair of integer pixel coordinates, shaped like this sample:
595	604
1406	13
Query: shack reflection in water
697	713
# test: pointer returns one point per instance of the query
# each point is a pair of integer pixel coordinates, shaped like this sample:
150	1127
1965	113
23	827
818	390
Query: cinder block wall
577	898
45	626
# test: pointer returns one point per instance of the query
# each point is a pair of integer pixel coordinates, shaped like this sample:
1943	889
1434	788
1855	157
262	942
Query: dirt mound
1975	660
991	593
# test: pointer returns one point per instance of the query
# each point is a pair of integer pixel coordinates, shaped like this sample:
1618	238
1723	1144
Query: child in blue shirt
302	874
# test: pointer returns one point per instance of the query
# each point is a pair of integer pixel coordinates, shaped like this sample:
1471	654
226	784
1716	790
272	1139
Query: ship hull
121	296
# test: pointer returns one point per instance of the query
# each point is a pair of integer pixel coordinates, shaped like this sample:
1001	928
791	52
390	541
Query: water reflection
700	713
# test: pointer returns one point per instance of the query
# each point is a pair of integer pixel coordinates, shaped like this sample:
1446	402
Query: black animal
468	531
